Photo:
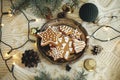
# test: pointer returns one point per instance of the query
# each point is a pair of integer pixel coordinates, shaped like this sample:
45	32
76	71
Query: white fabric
108	62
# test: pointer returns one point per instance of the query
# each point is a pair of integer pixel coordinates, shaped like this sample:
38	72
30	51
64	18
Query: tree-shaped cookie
78	45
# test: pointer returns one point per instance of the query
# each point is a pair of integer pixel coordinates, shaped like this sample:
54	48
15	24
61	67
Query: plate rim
71	61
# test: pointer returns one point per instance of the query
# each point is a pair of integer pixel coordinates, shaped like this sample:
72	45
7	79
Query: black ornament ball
88	12
96	49
68	68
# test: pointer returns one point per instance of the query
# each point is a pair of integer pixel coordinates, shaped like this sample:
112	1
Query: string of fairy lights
11	70
105	27
12	12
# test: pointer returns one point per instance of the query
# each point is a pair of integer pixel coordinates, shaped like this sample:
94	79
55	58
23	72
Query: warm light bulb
2	25
14	56
10	15
13	63
6	55
105	28
9	11
36	20
87	37
108	39
35	45
33	31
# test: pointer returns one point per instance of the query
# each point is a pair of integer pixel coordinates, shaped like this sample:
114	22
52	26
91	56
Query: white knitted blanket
108	61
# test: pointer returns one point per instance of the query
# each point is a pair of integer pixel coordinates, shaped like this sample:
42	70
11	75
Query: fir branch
21	4
62	78
41	8
81	76
56	3
46	76
43	76
35	6
75	3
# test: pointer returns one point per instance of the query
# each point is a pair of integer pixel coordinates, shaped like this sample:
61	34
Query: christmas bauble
88	12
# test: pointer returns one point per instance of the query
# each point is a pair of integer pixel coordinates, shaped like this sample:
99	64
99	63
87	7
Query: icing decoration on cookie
48	36
56	29
66	39
67	54
68	46
77	34
56	53
78	45
70	43
60	39
64	47
70	49
66	29
63	41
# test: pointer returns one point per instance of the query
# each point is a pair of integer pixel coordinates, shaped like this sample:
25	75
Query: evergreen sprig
81	76
62	78
75	3
43	76
21	4
41	8
46	76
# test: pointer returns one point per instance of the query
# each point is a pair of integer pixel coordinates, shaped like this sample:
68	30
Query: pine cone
96	49
61	15
30	58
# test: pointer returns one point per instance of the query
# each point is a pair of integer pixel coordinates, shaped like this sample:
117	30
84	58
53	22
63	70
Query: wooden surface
107	62
3	69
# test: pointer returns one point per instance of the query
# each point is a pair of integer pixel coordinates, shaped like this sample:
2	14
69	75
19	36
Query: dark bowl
56	22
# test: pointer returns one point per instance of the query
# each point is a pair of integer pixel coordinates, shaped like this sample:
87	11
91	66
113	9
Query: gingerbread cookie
56	29
56	53
65	46
66	29
48	37
63	41
76	34
78	45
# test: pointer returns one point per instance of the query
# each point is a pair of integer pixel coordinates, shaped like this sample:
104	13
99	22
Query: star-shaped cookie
48	37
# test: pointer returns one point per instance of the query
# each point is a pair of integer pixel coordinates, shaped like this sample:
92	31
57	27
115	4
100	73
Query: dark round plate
56	22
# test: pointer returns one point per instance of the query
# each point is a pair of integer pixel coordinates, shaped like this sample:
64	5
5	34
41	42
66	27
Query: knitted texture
108	61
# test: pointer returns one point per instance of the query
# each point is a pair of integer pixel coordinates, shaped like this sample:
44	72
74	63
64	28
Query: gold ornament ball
67	8
90	64
33	30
